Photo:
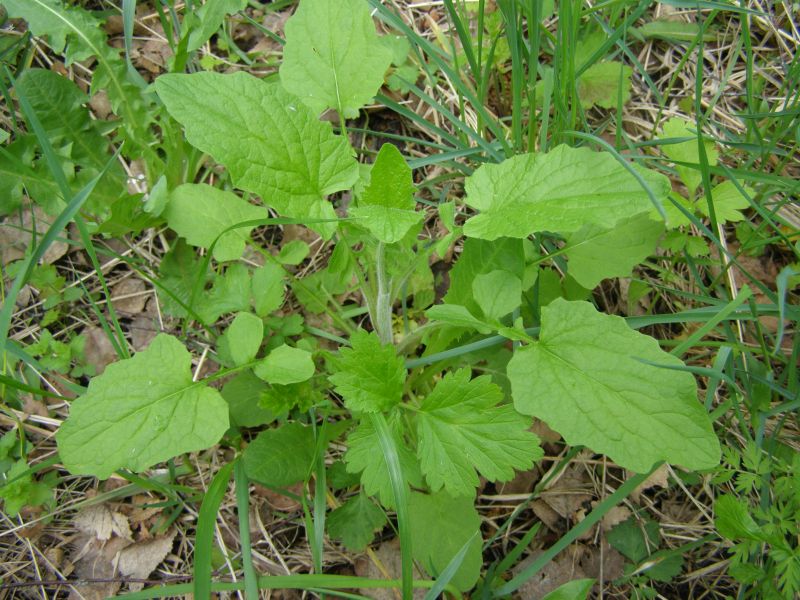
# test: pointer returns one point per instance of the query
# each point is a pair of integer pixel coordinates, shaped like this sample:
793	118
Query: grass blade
204	538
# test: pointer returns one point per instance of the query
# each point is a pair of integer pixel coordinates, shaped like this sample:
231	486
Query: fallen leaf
658	478
569	493
563	568
99	351
100	522
16	238
138	560
129	296
388	566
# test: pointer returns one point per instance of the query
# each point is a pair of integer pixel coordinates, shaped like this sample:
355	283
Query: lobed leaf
462	430
369	376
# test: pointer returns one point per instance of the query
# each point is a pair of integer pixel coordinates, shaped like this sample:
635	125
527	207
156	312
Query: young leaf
586	378
268	289
729	202
687	152
333	57
440	526
462	430
210	17
286	365
271	144
497	293
386	207
599	84
280	457
479	257
559	191
244	335
596	253
364	456
369	376
458	316
577	589
141	411
293	253
200	213
734	522
230	293
242	393
355	522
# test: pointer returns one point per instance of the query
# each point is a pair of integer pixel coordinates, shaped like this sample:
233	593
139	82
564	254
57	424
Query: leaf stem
383	303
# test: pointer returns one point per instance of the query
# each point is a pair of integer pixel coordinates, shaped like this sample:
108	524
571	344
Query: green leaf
286	365
599	84
77	34
141	411
497	293
364	456
200	213
355	522
59	106
560	191
440	526
210	17
230	293
369	376
293	253
271	144
268	289
25	491
242	393
729	202
462	430
634	540
280	457
458	316
596	253
479	257
588	379
244	335
572	590
733	520
333	58
687	152
386	207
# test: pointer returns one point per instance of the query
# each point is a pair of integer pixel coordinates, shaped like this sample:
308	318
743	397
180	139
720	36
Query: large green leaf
440	526
333	58
369	376
560	191
386	207
596	253
462	430
271	143
141	411
201	213
590	379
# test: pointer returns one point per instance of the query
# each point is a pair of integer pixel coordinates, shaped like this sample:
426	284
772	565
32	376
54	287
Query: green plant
427	398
